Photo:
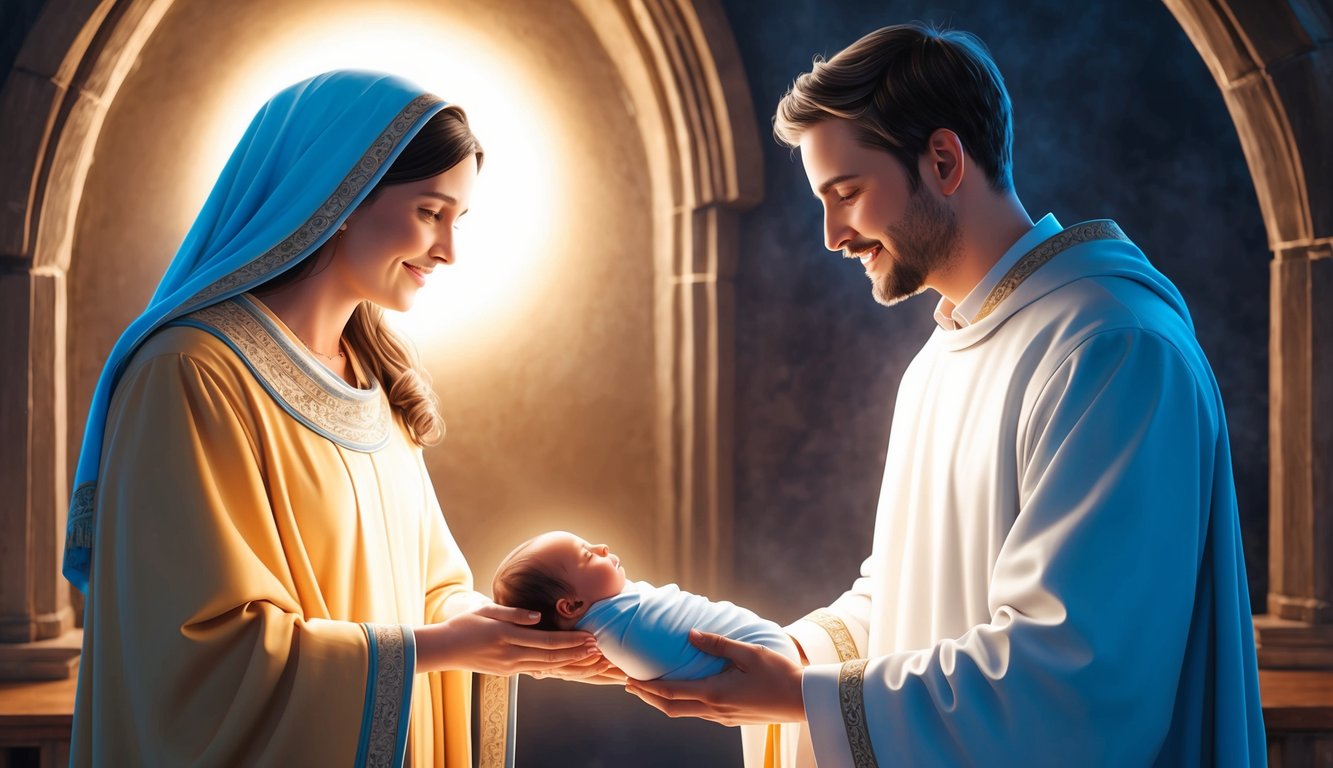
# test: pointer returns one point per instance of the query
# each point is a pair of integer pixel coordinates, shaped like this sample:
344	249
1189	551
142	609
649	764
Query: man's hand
760	686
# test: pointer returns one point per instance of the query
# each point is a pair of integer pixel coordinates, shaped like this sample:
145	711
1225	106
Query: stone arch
71	64
1274	65
692	105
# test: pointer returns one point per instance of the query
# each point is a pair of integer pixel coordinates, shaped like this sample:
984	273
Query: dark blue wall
16	19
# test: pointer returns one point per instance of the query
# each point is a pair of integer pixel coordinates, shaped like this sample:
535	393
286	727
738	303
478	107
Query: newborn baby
642	629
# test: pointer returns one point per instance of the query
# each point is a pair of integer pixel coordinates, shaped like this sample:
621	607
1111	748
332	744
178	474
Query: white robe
1057	575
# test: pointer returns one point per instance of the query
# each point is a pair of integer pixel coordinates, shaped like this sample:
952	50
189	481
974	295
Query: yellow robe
254	579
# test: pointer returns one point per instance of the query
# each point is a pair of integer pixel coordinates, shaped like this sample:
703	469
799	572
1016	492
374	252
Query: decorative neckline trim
1096	229
359	419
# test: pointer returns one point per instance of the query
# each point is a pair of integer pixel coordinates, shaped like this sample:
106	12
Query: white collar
950	317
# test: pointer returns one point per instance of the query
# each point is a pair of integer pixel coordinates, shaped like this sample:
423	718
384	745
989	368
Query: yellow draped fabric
252	575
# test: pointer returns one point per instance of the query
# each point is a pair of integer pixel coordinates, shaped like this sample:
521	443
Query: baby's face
591	569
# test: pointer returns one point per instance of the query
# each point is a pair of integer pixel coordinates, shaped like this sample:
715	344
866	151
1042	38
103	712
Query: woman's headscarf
310	156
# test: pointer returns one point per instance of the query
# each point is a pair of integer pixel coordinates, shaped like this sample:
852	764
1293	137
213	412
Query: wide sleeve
1091	596
200	650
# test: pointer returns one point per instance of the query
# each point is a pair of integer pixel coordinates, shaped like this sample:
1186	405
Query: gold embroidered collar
359	419
1097	229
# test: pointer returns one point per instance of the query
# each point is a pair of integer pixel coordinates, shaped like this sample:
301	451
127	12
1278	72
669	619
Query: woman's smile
417	273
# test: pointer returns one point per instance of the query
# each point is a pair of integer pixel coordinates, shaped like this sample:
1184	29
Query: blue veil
310	156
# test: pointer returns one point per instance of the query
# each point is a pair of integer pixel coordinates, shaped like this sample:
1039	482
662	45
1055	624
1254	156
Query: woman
265	561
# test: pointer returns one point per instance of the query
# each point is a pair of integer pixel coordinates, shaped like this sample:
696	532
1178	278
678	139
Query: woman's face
396	239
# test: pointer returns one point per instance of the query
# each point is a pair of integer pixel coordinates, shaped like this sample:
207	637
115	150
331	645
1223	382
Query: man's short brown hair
900	84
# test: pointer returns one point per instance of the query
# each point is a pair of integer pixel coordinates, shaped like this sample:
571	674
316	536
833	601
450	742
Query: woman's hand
491	639
594	669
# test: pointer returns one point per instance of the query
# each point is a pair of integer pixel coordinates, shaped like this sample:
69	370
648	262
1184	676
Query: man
1056	576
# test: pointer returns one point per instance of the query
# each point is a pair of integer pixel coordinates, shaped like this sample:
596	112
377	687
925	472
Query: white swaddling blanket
644	631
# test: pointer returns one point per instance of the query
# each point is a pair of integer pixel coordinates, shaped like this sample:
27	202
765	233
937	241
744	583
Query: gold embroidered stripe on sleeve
837	632
496	718
851	698
386	709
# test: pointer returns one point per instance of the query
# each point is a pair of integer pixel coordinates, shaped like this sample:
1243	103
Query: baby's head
558	574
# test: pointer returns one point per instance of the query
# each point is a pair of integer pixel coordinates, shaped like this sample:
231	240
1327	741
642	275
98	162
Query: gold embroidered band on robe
359	419
1088	231
388	694
773	746
499	699
315	228
837	631
851	697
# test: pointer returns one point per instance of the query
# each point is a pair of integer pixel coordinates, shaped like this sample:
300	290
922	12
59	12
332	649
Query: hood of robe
1099	249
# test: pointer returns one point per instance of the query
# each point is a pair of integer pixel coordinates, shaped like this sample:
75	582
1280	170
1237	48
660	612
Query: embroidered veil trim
319	223
80	526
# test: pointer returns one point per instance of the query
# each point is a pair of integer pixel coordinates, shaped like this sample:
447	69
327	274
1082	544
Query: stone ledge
54	659
1287	644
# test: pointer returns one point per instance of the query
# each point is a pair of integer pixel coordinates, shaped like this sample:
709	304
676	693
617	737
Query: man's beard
925	242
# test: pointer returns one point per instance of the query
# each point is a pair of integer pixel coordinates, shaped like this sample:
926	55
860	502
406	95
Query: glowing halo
516	206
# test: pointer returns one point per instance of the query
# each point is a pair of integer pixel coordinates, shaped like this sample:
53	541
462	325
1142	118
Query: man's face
902	238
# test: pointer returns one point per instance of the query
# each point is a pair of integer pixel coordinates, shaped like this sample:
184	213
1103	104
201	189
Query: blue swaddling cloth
644	631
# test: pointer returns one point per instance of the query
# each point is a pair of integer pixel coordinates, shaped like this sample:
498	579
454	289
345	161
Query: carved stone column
683	73
1298	630
54	99
35	613
1274	65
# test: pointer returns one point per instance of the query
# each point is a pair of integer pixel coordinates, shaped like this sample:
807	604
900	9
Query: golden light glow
516	206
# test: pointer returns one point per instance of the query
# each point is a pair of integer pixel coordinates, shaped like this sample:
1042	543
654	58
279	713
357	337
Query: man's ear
567	608
945	160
